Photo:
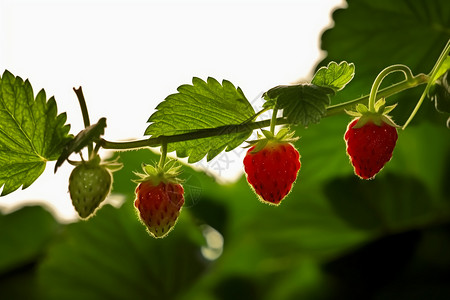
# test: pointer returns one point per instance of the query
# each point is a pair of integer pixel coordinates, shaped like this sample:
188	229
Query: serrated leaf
302	104
82	139
31	133
334	76
202	105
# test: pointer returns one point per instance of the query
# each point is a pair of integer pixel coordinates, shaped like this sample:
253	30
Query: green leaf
111	256
302	103
31	133
83	139
202	105
334	76
24	233
376	34
391	202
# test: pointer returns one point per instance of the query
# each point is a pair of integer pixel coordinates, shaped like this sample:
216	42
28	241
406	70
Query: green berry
89	184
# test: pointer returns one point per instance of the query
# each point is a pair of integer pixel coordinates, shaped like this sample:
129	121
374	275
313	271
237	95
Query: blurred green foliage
334	237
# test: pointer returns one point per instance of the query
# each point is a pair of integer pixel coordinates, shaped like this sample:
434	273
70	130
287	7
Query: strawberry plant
204	119
337	220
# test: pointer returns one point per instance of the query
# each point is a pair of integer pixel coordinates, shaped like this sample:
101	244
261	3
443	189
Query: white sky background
129	55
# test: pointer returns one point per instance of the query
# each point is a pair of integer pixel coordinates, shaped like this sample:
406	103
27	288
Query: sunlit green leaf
198	106
334	76
31	133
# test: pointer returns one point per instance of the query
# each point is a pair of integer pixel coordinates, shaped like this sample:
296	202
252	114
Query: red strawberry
370	147
159	206
272	168
159	198
370	140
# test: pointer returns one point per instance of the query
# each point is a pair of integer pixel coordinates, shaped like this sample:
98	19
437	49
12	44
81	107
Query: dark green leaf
302	103
111	256
334	76
31	133
84	138
24	235
202	105
388	203
376	34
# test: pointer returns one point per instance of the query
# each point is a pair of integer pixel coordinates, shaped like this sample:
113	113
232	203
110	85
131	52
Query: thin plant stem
162	159
273	121
85	113
383	93
376	84
432	75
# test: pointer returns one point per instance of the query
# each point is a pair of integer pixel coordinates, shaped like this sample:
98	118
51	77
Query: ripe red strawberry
159	198
159	206
272	168
370	147
370	140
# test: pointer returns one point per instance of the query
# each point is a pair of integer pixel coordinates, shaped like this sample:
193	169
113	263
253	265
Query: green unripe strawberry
89	184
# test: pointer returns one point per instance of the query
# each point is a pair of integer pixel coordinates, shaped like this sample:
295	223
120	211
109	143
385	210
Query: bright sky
129	55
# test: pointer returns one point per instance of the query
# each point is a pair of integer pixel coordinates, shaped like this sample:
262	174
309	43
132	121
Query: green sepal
388	109
284	135
112	166
379	105
168	173
352	113
362	109
378	117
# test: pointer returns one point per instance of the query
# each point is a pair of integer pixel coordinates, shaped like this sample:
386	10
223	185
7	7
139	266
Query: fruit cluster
271	165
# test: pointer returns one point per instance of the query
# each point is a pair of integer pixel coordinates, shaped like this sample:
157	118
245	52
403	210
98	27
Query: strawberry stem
85	113
162	159
273	121
383	93
201	133
432	75
410	82
409	77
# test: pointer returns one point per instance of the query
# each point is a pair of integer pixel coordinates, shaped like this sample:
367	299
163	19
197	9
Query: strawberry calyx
284	135
156	174
95	161
378	116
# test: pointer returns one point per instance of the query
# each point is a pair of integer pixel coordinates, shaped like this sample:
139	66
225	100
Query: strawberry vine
202	119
